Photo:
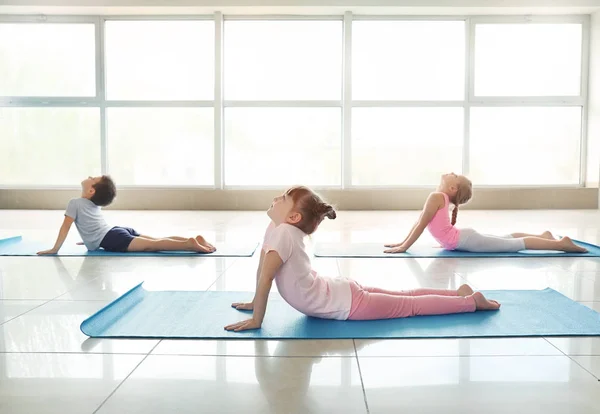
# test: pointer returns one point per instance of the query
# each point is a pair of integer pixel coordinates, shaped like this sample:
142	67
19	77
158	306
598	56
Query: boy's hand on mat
45	252
243	326
243	305
398	249
79	243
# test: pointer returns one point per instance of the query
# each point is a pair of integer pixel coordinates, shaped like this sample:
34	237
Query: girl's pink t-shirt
298	284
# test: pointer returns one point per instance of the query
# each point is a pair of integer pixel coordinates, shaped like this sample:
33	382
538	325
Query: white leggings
471	241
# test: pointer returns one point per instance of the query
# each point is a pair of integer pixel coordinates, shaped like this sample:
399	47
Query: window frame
346	103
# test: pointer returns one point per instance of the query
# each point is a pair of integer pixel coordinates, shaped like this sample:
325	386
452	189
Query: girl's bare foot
192	244
568	246
464	290
202	242
481	303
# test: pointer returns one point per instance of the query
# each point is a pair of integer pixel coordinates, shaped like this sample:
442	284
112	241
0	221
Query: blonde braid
454	214
463	195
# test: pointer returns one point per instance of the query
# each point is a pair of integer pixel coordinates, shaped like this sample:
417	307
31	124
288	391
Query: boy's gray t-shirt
89	221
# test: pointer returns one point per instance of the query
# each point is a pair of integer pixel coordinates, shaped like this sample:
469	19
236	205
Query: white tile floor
48	366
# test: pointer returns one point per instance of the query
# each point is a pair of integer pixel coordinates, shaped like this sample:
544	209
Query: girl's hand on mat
243	326
243	305
393	244
45	252
398	249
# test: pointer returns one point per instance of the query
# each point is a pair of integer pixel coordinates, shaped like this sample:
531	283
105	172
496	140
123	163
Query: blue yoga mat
375	250
17	246
203	315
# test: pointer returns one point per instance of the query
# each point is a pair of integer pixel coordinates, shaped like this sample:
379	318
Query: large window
47	136
397	65
532	145
296	65
159	60
401	146
282	146
408	60
528	59
283	60
150	65
161	146
527	126
49	146
47	59
342	102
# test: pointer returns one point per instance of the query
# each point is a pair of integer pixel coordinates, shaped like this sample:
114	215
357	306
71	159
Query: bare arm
260	264
271	264
62	235
270	267
250	305
434	202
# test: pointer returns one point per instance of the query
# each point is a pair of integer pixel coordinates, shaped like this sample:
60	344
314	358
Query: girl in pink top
283	258
457	189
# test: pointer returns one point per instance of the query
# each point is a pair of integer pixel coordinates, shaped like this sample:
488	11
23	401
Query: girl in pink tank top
457	190
283	259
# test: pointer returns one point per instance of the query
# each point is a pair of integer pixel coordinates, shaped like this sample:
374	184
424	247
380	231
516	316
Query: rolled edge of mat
11	239
112	312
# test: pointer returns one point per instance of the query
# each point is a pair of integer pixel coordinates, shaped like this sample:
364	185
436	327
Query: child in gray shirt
86	213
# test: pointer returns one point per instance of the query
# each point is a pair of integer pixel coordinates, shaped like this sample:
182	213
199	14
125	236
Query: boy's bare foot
464	290
202	242
194	246
547	235
568	246
481	303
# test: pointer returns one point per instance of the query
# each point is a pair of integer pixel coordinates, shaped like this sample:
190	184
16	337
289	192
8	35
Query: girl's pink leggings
375	303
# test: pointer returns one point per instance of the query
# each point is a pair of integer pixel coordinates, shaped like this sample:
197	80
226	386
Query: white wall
593	132
325	3
250	7
358	199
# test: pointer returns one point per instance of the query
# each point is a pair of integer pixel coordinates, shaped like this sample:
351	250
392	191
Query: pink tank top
441	228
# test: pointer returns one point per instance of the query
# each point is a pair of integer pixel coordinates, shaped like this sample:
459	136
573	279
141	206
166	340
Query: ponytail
323	210
312	208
